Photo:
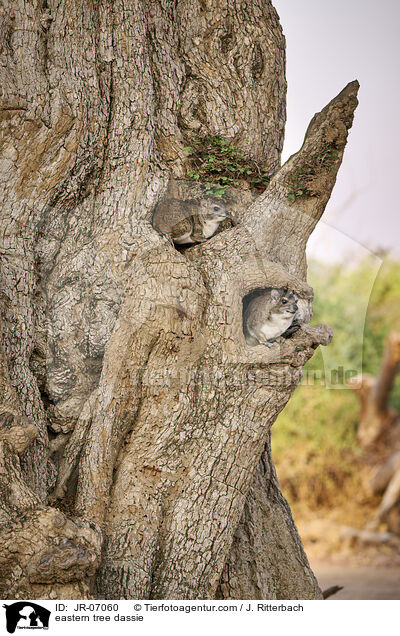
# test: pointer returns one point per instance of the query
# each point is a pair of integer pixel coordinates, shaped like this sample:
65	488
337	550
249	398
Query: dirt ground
365	563
359	582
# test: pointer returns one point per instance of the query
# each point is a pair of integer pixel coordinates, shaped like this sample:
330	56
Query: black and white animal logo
26	615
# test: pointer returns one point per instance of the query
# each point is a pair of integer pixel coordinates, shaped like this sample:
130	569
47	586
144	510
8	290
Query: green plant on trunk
304	181
216	165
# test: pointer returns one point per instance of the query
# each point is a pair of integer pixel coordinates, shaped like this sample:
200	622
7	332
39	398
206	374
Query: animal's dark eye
284	301
216	208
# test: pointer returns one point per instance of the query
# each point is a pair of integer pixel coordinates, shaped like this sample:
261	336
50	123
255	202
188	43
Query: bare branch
384	383
298	193
377	418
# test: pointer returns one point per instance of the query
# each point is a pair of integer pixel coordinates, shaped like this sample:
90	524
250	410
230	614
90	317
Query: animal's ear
275	294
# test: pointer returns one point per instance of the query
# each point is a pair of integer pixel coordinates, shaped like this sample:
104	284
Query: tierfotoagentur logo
26	615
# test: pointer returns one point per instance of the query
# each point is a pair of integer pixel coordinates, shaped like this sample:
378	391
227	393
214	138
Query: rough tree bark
124	357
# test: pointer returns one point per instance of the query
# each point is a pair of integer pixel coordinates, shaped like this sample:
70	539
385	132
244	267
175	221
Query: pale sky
328	45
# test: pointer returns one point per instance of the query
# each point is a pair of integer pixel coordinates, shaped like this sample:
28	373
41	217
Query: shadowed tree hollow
135	418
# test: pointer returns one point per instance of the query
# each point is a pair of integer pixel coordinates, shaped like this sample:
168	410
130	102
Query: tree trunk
125	357
379	425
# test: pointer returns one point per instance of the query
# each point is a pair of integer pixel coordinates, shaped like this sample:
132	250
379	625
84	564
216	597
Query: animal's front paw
269	343
169	238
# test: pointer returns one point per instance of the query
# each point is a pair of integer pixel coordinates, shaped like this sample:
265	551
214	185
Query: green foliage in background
314	437
362	306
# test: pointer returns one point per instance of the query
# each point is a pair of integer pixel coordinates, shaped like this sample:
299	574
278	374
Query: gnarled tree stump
126	353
